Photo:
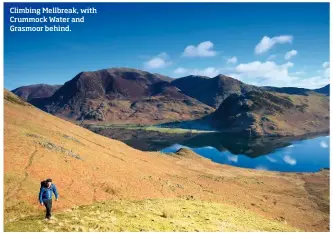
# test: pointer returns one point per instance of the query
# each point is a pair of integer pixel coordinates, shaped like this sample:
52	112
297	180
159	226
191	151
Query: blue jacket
46	193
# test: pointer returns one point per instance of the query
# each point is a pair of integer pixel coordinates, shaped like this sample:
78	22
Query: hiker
45	196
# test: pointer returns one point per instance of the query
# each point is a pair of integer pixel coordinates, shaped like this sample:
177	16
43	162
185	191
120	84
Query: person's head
48	182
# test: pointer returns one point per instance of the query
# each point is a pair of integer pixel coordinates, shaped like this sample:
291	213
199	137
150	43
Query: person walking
45	196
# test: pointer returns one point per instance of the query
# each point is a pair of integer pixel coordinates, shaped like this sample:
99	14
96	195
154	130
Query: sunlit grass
150	215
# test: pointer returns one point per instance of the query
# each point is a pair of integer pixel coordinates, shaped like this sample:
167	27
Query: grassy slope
39	145
271	113
150	215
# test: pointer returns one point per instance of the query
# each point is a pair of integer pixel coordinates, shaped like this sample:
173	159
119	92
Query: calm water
287	155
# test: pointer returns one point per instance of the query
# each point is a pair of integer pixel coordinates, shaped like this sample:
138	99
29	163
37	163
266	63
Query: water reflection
297	154
282	154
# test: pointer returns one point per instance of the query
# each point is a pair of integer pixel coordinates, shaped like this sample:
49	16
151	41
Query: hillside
163	77
88	168
30	92
273	114
121	95
324	90
211	91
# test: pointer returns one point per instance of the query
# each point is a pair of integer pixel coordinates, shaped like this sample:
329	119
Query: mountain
211	91
298	91
288	90
105	183
164	78
263	113
324	90
121	95
35	91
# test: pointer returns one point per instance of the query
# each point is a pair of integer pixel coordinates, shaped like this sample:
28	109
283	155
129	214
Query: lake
285	154
309	155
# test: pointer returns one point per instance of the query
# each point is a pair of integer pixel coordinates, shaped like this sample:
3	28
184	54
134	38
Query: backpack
43	184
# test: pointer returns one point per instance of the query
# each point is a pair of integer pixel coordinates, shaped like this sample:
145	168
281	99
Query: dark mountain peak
127	74
195	77
125	70
29	92
211	91
119	94
113	82
226	78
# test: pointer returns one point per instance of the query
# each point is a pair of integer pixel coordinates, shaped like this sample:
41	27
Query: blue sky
279	44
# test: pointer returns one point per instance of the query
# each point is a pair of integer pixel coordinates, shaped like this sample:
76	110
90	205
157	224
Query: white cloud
313	82
273	160
326	64
289	160
181	70
267	43
232	60
271	57
273	74
290	54
297	73
160	61
323	144
266	73
233	158
326	71
204	49
209	71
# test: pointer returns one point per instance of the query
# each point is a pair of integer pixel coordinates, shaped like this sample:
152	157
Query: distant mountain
288	90
263	113
35	91
324	90
211	91
298	91
121	95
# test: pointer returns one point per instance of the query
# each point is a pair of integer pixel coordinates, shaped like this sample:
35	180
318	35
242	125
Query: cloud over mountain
204	49
160	61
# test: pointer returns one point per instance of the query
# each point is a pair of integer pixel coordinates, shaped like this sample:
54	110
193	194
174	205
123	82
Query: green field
151	128
150	215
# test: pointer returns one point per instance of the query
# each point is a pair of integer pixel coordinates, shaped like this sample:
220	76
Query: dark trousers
48	206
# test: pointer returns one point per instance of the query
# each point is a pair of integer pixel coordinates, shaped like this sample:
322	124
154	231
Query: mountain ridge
29	92
121	95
